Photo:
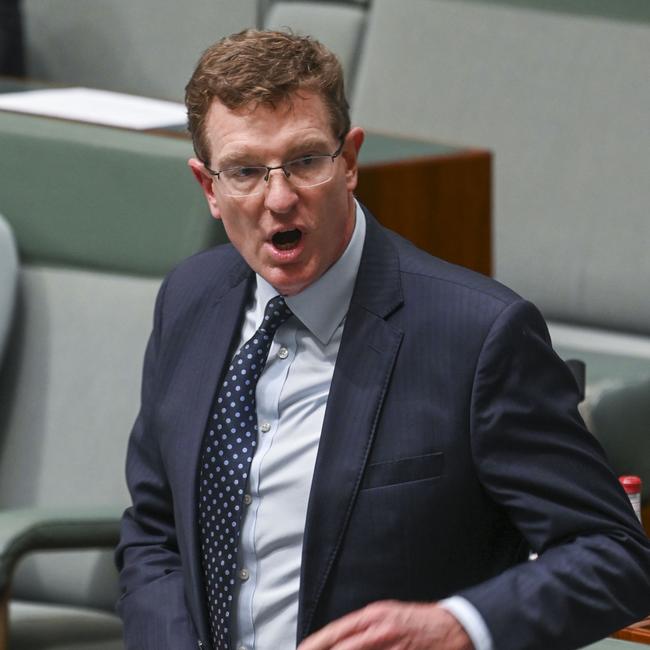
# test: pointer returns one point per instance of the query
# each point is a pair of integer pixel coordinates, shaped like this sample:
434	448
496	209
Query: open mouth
287	239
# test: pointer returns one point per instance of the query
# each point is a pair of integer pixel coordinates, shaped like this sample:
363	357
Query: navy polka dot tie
228	447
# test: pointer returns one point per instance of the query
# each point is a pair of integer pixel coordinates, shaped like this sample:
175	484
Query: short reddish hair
263	67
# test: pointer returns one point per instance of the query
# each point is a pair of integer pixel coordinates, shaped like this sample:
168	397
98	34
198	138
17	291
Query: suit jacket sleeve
592	575
152	604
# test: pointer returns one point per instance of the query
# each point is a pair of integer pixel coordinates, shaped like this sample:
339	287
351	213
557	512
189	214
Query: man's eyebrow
237	159
309	146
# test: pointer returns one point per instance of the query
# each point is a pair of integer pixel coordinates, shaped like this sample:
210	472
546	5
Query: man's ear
350	154
205	180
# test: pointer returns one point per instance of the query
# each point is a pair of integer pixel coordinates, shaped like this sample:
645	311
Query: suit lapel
209	351
364	365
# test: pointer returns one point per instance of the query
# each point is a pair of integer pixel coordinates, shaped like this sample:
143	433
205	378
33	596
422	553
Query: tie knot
275	314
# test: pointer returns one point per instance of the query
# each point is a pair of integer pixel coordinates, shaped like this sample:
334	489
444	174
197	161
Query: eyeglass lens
302	172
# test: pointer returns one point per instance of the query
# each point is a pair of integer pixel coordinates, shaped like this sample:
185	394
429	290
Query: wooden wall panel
442	204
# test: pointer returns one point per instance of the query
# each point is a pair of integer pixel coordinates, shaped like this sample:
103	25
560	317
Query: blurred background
511	136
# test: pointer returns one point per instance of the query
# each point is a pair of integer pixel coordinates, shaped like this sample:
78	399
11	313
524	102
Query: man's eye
304	161
244	172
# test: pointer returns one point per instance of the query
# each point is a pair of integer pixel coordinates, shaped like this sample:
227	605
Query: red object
631	484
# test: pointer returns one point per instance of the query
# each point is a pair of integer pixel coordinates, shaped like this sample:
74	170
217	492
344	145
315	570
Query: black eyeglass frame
270	168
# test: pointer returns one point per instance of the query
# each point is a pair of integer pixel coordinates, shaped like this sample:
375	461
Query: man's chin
289	281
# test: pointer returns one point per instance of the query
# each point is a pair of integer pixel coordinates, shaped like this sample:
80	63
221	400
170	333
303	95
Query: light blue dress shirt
291	397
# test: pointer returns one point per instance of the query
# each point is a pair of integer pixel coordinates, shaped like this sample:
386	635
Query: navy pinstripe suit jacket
451	446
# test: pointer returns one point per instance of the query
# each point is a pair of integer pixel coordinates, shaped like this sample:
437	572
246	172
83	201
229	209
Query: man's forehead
303	113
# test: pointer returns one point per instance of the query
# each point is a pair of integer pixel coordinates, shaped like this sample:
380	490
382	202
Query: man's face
289	235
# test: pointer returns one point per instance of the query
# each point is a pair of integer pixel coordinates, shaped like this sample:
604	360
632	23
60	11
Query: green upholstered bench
8	278
99	197
614	644
99	215
617	397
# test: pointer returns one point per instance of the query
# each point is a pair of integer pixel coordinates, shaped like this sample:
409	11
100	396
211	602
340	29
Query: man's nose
279	194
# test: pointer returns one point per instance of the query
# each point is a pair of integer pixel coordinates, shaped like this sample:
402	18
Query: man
367	462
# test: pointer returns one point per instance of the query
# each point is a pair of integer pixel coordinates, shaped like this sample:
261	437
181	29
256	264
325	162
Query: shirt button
265	427
283	353
248	499
243	574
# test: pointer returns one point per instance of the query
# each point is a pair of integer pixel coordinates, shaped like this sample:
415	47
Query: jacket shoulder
420	268
212	271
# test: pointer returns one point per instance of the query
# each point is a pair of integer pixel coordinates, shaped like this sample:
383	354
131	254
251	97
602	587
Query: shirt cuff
469	617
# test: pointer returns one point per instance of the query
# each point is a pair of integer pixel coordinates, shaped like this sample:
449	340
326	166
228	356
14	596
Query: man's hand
392	625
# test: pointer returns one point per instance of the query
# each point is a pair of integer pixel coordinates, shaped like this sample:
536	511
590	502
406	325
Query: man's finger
355	624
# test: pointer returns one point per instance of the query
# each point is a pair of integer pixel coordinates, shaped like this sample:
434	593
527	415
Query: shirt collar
322	306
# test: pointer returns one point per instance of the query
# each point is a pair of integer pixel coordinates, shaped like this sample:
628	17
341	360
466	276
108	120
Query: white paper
97	106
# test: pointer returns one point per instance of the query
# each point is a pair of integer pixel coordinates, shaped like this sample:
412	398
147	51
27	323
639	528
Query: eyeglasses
306	171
